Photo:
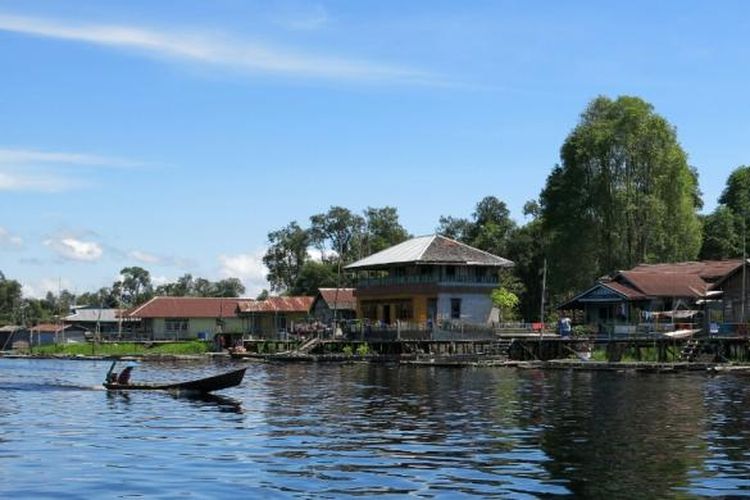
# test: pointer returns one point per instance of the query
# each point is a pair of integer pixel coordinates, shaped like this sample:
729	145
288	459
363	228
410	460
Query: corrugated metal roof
343	300
432	249
93	315
276	304
187	307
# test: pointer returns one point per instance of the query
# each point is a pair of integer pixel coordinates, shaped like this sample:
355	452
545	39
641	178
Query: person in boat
124	377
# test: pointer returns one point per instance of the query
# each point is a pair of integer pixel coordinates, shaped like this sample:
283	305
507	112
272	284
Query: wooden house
427	279
273	317
183	318
334	302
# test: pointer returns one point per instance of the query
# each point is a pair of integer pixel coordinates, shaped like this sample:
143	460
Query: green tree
229	287
338	231
382	230
489	228
286	255
736	194
624	194
314	275
507	302
135	286
10	300
722	235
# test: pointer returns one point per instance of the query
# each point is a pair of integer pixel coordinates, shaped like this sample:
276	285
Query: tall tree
135	286
286	255
382	230
338	231
624	194
722	235
489	228
229	287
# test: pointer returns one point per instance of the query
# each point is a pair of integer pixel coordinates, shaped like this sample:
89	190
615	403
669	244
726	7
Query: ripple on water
332	431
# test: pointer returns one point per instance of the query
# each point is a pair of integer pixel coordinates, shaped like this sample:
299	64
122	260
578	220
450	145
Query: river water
331	431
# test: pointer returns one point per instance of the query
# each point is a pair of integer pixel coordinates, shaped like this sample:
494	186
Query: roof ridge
428	245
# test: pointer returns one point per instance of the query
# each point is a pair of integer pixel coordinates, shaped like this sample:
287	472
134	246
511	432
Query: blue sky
176	135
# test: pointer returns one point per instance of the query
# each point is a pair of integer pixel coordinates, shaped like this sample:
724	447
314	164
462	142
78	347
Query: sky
175	135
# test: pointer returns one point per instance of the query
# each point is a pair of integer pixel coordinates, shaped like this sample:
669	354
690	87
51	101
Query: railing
427	279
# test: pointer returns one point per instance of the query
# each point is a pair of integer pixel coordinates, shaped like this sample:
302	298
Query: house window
455	308
450	272
176	325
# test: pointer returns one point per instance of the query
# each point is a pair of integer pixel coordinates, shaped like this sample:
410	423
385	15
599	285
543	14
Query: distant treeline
622	194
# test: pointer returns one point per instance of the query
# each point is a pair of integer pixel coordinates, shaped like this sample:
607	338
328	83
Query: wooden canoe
200	386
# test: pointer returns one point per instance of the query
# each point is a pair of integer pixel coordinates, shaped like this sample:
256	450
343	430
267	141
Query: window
176	325
455	308
450	272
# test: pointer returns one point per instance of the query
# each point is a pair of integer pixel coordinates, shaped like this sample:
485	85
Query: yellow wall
419	305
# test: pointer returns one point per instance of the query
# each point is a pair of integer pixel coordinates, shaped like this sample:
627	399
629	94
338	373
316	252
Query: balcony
427	279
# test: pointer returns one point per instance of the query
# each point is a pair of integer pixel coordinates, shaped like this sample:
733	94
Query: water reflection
344	430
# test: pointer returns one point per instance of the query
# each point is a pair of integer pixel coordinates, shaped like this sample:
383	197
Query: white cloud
8	240
46	183
249	268
38	289
75	249
17	157
31	170
214	49
144	257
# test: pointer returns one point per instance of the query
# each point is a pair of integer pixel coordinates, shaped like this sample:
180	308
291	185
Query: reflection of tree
622	435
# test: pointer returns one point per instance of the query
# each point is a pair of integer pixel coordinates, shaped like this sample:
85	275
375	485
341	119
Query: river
331	431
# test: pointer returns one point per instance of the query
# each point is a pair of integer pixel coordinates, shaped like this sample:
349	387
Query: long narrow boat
200	386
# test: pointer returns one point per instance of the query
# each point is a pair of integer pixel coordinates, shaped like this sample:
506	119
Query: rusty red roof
343	300
187	307
276	304
665	284
708	270
622	288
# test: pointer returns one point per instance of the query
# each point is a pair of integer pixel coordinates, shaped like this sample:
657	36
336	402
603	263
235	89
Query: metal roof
432	249
343	300
276	304
187	307
93	315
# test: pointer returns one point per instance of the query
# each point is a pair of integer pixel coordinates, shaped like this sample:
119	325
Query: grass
124	349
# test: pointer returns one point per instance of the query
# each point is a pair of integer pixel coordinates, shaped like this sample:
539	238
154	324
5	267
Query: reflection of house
328	300
425	279
274	315
179	318
92	319
651	291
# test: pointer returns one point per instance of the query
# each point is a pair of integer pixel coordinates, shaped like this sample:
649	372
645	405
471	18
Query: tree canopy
624	194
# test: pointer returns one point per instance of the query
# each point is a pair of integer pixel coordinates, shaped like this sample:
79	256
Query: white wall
475	307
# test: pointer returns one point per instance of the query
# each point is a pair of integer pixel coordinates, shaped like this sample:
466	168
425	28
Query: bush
347	350
363	350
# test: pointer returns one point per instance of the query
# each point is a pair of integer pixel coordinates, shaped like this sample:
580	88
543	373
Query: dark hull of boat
204	385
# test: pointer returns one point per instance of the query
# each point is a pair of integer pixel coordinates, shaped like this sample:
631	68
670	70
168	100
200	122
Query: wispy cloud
8	240
46	171
144	257
240	55
71	248
17	157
